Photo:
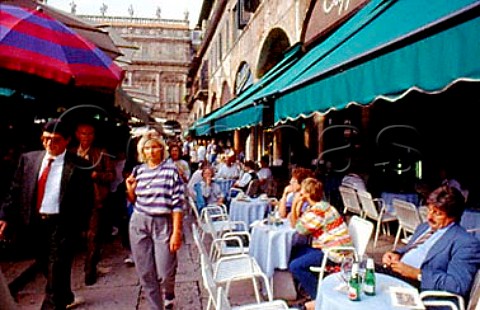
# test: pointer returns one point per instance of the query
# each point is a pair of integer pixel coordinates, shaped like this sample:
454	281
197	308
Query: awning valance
244	111
384	51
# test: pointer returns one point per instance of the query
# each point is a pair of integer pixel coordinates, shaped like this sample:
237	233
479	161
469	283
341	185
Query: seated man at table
249	175
441	255
322	227
229	169
206	191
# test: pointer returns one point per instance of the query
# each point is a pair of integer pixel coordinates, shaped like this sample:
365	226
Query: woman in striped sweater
324	227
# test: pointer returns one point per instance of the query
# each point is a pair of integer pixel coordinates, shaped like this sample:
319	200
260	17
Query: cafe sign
323	16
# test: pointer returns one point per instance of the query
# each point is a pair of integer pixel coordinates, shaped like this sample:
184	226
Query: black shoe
90	279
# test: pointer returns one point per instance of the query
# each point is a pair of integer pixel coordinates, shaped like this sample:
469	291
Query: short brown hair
448	199
314	188
301	174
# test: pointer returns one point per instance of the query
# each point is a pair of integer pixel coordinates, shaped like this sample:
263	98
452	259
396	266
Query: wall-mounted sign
325	15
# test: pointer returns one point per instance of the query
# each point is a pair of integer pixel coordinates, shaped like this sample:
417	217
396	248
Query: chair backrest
361	231
222	300
367	204
193	206
198	240
234	192
407	214
350	200
423	211
474	301
209	282
253	188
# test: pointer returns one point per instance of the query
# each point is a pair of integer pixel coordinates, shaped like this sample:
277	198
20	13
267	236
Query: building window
241	15
243	79
219	46
171	94
251	5
227	35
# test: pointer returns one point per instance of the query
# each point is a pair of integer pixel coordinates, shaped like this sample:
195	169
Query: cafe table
248	209
389	196
332	294
471	221
271	246
225	185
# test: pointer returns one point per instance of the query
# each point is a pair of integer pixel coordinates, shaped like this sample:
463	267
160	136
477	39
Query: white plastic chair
408	218
215	290
222	243
234	192
423	212
382	217
224	304
360	230
473	303
218	216
228	268
350	200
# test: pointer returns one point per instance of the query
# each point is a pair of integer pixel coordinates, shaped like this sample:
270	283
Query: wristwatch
419	276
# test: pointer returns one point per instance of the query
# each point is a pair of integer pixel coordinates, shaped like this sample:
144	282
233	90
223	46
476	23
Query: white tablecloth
271	246
225	185
471	220
248	211
329	297
409	197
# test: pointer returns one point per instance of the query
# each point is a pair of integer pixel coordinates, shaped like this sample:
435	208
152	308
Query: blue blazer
451	263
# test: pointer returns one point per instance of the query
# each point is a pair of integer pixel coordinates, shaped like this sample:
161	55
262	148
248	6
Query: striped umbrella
34	43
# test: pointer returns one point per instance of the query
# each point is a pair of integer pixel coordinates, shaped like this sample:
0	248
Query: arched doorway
275	45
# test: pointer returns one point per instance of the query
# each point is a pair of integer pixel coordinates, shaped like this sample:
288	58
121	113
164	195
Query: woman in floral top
325	227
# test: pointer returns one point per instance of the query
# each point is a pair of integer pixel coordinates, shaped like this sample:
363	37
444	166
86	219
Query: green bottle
369	281
354	284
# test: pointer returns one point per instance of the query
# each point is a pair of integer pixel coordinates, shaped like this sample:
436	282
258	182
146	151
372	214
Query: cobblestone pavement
118	287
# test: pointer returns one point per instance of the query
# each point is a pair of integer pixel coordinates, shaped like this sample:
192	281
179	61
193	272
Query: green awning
384	51
241	111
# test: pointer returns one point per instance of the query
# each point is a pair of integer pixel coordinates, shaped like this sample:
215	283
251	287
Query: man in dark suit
53	206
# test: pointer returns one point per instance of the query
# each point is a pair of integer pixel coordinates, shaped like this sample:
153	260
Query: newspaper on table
406	297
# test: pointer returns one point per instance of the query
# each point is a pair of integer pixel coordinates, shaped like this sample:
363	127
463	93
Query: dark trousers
53	242
93	242
302	258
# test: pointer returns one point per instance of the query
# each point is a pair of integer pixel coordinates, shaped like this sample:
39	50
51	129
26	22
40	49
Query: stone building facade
242	40
156	74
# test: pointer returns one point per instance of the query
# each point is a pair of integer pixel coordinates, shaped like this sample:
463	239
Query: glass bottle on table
354	284
369	281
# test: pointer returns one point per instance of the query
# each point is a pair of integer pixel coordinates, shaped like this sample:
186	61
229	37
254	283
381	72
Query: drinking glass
362	266
346	268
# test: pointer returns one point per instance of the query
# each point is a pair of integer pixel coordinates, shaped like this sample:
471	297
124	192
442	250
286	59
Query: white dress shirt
51	198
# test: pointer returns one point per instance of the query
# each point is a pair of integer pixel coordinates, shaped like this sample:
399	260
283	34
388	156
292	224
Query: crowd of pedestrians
73	194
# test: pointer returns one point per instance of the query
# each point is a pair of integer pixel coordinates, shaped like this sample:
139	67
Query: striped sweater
327	228
160	190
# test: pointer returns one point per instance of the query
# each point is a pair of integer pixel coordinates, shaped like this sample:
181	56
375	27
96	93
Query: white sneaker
169	304
78	301
129	260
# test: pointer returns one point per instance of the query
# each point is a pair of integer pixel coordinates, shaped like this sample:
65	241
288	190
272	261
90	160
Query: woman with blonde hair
157	191
323	227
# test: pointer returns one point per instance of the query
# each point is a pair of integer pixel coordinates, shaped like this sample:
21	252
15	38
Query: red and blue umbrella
34	43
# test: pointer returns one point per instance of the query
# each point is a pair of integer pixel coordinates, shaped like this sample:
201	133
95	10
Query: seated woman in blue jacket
207	191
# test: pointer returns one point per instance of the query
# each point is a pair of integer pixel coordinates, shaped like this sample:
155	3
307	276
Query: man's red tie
42	182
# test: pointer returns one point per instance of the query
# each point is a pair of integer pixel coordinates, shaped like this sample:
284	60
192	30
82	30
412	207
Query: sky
170	9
